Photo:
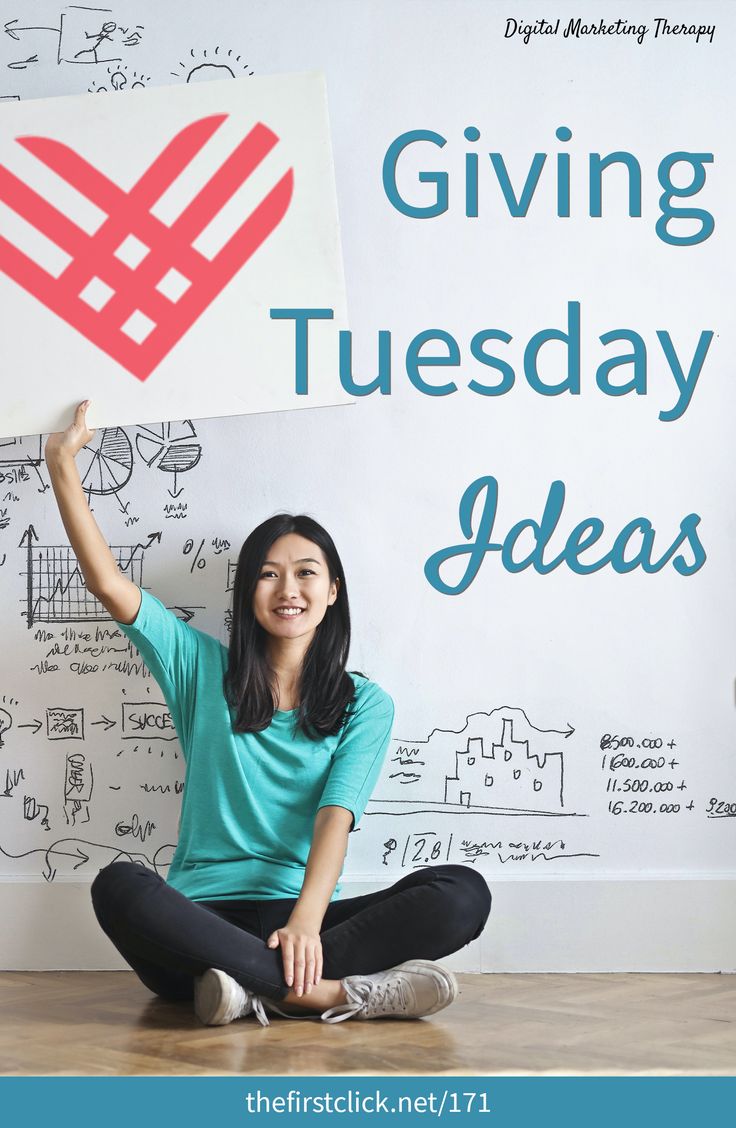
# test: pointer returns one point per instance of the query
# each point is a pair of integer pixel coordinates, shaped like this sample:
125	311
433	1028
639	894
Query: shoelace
339	1014
390	994
258	1009
270	1005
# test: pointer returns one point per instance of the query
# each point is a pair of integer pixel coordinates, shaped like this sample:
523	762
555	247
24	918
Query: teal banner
493	1102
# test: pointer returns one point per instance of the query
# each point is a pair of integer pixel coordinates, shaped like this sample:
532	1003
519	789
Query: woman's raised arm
102	576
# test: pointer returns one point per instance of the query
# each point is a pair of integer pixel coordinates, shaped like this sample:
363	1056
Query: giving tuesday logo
131	282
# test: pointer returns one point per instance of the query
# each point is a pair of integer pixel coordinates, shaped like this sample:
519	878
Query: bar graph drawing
56	592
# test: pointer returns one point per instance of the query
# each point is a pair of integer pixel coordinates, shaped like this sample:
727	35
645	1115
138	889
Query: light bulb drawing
6	723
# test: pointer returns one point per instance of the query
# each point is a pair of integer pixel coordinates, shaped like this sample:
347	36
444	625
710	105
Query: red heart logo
136	310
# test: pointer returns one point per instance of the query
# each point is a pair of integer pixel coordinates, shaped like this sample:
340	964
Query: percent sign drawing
198	561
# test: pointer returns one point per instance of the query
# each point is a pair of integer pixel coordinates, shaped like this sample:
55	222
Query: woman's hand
74	438
301	951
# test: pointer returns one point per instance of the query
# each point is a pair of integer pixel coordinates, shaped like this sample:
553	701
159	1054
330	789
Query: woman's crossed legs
169	940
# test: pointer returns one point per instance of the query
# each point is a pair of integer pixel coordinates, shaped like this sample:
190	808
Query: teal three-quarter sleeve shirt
250	799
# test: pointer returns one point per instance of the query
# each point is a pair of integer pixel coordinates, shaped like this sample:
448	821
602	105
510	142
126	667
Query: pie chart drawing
106	462
169	447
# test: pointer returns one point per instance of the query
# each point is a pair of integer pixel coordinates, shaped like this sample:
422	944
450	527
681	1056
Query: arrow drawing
13	31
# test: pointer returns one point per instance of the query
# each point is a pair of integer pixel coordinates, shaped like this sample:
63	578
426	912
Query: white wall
522	657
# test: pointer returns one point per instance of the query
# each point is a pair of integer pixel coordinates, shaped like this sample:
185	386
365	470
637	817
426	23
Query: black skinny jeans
169	939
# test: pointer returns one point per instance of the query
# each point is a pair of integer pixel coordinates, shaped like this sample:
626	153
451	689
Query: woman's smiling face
293	590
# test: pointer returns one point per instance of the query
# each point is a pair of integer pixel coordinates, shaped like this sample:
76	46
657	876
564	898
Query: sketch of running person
104	35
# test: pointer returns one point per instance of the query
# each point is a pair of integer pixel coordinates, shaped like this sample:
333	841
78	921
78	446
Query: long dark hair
325	688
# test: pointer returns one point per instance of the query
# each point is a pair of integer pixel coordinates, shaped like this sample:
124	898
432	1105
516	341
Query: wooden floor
108	1023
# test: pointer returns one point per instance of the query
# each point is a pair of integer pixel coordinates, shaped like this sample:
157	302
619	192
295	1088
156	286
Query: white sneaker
219	999
411	990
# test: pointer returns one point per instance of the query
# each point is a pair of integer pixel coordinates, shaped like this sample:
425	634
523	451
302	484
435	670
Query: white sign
144	240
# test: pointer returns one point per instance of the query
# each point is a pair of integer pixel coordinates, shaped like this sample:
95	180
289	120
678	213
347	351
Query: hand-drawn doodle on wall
498	763
17	457
6	718
17	33
73	853
24	451
201	67
81	851
13	776
35	43
230	584
33	810
90	35
169	448
720	809
197	560
428	847
106	462
56	591
64	724
119	78
147	720
78	784
23	64
86	35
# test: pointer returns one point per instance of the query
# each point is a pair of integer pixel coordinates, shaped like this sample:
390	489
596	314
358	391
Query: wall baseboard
679	924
